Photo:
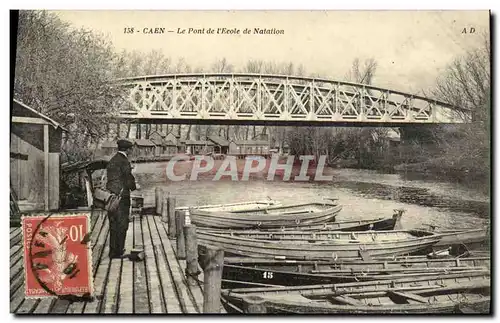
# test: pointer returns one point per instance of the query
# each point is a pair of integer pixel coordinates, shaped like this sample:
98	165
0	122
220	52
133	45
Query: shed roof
169	143
219	140
173	134
199	143
20	109
251	142
144	142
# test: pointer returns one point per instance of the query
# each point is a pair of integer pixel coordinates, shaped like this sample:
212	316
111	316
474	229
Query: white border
215	4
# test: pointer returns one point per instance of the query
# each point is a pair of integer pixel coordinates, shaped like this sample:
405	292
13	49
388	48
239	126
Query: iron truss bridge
275	99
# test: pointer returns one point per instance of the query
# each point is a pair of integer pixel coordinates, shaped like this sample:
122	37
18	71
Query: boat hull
244	272
470	238
242	220
438	294
379	224
328	249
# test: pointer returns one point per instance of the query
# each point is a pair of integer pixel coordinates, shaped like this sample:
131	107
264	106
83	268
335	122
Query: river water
362	193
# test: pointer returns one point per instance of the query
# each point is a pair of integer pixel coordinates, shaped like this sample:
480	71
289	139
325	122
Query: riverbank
440	167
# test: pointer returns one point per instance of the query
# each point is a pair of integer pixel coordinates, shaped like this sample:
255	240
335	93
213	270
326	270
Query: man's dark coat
119	175
119	179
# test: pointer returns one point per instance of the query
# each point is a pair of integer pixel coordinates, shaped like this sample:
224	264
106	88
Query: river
362	194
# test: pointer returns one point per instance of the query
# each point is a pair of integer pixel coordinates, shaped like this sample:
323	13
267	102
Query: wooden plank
98	249
15	232
17	295
126	297
16	265
402	295
53	184
17	283
30	120
177	275
28	306
44	306
46	166
99	283
16	240
348	300
196	292
171	300
60	307
112	289
15	249
141	295
157	302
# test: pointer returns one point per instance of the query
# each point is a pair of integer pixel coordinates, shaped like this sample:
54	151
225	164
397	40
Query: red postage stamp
57	255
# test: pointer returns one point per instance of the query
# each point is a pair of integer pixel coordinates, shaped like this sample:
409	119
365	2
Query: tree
66	74
466	83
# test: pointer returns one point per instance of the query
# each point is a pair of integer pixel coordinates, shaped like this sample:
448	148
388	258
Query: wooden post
191	244
171	217
164	209
46	165
158	199
179	227
398	213
212	280
254	305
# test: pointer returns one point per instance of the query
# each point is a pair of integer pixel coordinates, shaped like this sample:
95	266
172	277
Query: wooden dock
155	285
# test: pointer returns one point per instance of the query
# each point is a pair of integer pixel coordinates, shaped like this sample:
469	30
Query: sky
411	48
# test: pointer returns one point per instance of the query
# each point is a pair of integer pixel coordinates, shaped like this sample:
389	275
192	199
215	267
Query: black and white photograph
250	162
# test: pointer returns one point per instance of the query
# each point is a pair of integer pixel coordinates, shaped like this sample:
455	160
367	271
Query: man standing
120	181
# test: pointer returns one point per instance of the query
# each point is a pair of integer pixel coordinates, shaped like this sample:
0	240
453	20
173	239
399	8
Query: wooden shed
221	145
35	180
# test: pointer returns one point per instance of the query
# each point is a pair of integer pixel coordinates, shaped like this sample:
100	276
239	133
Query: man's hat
124	144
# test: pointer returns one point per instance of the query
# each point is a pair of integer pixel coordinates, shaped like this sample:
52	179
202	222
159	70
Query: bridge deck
156	285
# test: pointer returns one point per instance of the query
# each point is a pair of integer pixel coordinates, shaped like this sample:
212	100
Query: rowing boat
267	217
247	272
376	224
232	207
470	237
439	294
318	245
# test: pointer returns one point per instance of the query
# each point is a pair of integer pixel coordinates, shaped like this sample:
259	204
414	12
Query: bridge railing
276	97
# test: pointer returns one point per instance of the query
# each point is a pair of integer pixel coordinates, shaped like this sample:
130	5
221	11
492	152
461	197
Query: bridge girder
274	99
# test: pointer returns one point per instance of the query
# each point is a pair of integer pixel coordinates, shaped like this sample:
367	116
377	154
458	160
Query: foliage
465	83
65	74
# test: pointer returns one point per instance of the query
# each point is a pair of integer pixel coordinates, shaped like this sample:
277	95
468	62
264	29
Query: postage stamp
57	255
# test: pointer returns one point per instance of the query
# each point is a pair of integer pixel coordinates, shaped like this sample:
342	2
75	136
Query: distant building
181	146
195	147
143	148
248	147
35	147
157	139
392	138
173	138
221	145
179	143
169	148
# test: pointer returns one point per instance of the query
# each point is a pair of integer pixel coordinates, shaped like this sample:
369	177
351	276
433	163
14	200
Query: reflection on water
363	194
